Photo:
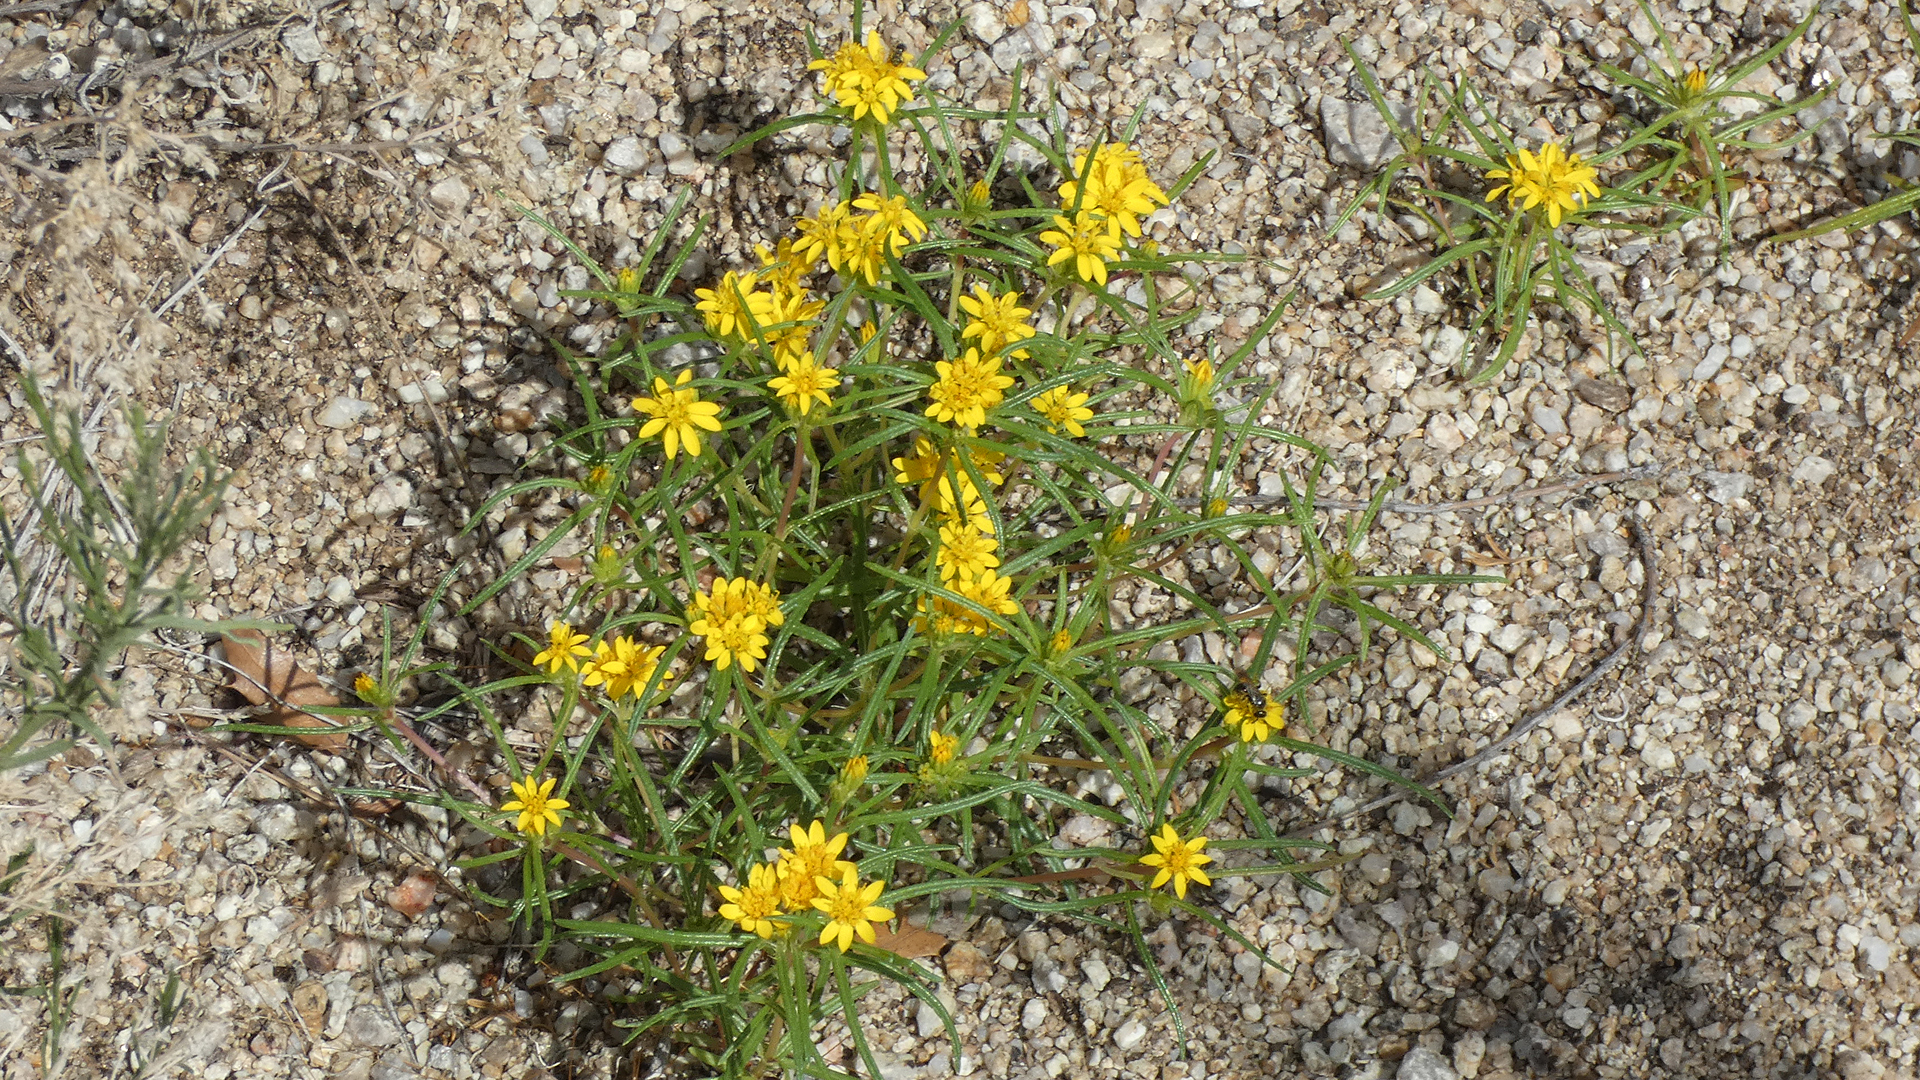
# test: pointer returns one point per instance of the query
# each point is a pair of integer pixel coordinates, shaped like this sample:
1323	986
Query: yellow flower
891	218
783	267
728	597
537	807
965	552
1695	81
967	388
941	747
755	907
804	383
623	666
599	479
1063	409
1117	186
850	908
734	307
564	649
368	688
1179	861
1061	642
865	80
854	771
822	235
792	321
739	639
927	468
945	616
1553	178
812	856
678	415
997	322
1245	719
1088	240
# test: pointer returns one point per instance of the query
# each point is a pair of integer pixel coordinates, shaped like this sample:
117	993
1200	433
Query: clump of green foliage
1510	218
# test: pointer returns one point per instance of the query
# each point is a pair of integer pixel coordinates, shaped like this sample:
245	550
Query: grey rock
367	1026
1355	133
1033	1016
626	156
281	822
343	412
1423	1064
1612	397
1095	974
1725	487
984	22
303	43
1129	1035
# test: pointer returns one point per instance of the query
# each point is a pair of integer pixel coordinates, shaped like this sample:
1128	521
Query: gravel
1705	867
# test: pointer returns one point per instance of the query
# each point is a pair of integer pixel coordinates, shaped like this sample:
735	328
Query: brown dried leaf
310	1002
267	675
909	941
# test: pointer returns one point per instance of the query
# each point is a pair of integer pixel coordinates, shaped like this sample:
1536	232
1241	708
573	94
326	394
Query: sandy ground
289	229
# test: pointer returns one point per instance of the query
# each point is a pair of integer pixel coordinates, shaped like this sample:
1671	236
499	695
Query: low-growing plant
854	632
1496	206
109	547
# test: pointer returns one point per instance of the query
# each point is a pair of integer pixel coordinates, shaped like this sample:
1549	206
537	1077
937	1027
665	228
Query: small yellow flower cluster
864	79
1552	178
969	551
1117	192
810	876
857	246
734	616
942	769
623	666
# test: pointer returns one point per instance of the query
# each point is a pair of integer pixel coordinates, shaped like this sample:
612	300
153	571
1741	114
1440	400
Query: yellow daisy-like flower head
812	856
989	590
1063	409
865	80
1179	861
850	908
997	321
740	639
735	308
755	908
967	388
536	804
728	597
855	770
1088	240
1248	721
623	666
965	552
1552	178
891	218
1694	81
783	267
822	235
941	747
805	384
677	415
1060	642
564	649
1117	186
